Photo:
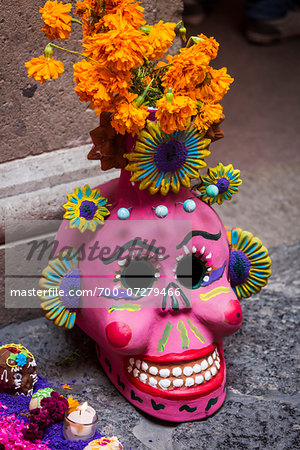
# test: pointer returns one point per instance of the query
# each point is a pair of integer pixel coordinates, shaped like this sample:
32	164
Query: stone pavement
260	411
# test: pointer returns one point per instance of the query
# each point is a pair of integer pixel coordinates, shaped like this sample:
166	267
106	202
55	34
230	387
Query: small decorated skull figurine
157	283
18	372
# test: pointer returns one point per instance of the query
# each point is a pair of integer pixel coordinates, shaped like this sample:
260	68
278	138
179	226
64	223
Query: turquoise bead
212	190
161	211
189	206
123	213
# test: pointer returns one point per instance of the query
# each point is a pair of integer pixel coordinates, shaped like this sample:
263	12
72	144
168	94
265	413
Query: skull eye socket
138	274
191	271
18	376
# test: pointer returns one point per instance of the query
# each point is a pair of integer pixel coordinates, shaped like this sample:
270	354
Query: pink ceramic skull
162	350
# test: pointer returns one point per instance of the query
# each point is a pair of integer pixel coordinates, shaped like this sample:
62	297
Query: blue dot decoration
212	190
161	211
189	206
123	213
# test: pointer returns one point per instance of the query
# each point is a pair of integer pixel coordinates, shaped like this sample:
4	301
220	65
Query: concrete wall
41	118
44	128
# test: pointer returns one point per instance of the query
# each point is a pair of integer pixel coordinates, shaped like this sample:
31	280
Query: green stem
72	51
76	21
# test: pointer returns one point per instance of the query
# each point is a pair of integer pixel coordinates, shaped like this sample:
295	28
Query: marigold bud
182	33
48	52
169	95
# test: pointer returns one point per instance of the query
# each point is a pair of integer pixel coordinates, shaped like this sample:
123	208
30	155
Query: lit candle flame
83	407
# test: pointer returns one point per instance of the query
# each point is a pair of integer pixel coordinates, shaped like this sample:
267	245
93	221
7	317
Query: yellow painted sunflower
61	275
85	209
57	21
249	265
161	161
220	183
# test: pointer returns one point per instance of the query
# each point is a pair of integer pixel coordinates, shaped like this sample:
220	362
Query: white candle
81	423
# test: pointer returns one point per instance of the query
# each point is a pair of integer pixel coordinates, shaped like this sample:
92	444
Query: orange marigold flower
88	5
98	85
174	115
73	403
57	22
160	39
131	12
206	46
187	70
42	68
208	114
119	49
215	85
90	13
128	118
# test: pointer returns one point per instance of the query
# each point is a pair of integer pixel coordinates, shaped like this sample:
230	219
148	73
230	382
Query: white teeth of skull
187	371
122	262
197	368
194	249
175	268
118	276
157	275
207	375
164	373
199	379
186	376
143	377
176	371
209	269
189	382
186	250
144	366
208	256
206	278
213	371
138	363
152	381
202	250
153	370
204	365
179	257
164	384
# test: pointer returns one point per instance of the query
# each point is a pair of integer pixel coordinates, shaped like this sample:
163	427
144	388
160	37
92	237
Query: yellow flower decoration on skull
249	265
85	209
220	183
161	161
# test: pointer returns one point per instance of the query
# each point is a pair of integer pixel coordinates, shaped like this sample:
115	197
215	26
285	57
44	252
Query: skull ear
249	263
